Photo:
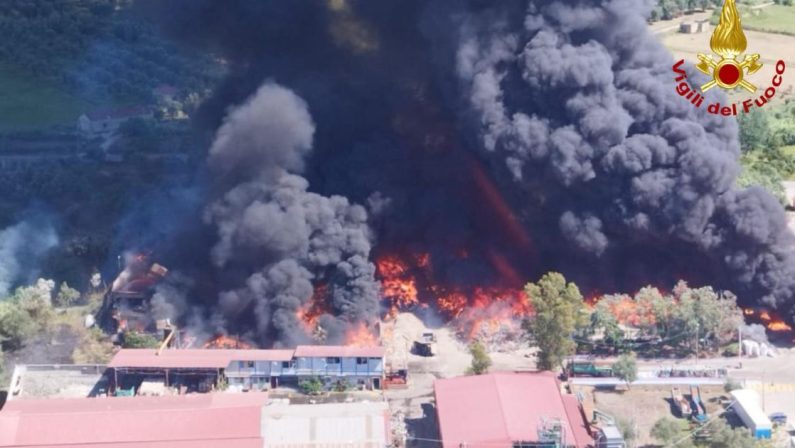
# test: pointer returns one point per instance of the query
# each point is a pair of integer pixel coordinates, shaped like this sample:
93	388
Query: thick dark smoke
533	134
290	238
578	95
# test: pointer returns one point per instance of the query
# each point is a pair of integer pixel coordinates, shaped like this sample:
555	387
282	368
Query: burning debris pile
127	305
488	143
769	320
476	312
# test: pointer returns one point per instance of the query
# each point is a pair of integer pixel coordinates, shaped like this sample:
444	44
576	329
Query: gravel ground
453	359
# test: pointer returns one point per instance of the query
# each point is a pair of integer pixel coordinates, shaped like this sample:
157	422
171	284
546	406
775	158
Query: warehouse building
185	421
245	420
509	410
134	371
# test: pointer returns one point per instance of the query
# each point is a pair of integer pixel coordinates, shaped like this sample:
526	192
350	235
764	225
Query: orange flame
778	325
408	281
397	283
309	313
226	342
360	336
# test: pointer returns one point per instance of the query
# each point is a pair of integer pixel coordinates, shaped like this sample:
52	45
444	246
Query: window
250	364
287	364
332	360
361	361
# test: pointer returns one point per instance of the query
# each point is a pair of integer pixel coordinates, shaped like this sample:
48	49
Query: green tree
603	319
67	296
480	359
36	300
754	130
626	368
134	339
702	313
731	384
628	431
311	386
724	436
759	170
667	430
558	312
16	325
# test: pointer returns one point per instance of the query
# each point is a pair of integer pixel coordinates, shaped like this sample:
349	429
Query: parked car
778	418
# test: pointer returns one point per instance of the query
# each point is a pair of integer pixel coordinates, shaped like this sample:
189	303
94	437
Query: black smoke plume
283	237
534	134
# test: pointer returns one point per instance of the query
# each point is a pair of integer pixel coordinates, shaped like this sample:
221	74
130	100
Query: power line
605	344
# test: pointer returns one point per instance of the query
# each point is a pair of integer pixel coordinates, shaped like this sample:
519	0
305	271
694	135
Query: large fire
360	336
308	314
226	342
398	285
769	320
632	313
408	282
778	325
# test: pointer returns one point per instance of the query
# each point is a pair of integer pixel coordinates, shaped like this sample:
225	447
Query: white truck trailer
747	406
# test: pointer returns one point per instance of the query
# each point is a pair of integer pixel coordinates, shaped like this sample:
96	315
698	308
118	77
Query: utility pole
763	390
696	344
740	344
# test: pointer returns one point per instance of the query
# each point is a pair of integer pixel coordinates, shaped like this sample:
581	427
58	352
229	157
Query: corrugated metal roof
189	421
193	358
360	424
504	408
310	351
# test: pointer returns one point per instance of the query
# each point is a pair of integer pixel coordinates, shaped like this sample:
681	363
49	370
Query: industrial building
134	371
509	410
186	421
747	407
244	420
363	424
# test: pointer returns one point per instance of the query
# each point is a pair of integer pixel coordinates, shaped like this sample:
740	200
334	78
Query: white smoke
21	247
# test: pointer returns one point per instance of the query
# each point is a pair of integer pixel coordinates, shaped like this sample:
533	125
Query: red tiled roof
193	358
312	351
499	409
187	421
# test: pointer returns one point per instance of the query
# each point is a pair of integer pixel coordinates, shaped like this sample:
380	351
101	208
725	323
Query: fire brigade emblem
728	41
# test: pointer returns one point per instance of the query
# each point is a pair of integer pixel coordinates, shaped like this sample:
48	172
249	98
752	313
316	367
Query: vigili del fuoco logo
729	69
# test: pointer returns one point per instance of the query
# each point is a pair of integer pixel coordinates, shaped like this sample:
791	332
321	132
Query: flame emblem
728	41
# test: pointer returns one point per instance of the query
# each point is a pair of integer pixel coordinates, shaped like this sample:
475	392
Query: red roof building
247	369
193	358
501	409
342	351
184	421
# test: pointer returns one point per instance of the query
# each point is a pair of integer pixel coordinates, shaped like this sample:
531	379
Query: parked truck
746	404
425	345
679	402
589	368
698	409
